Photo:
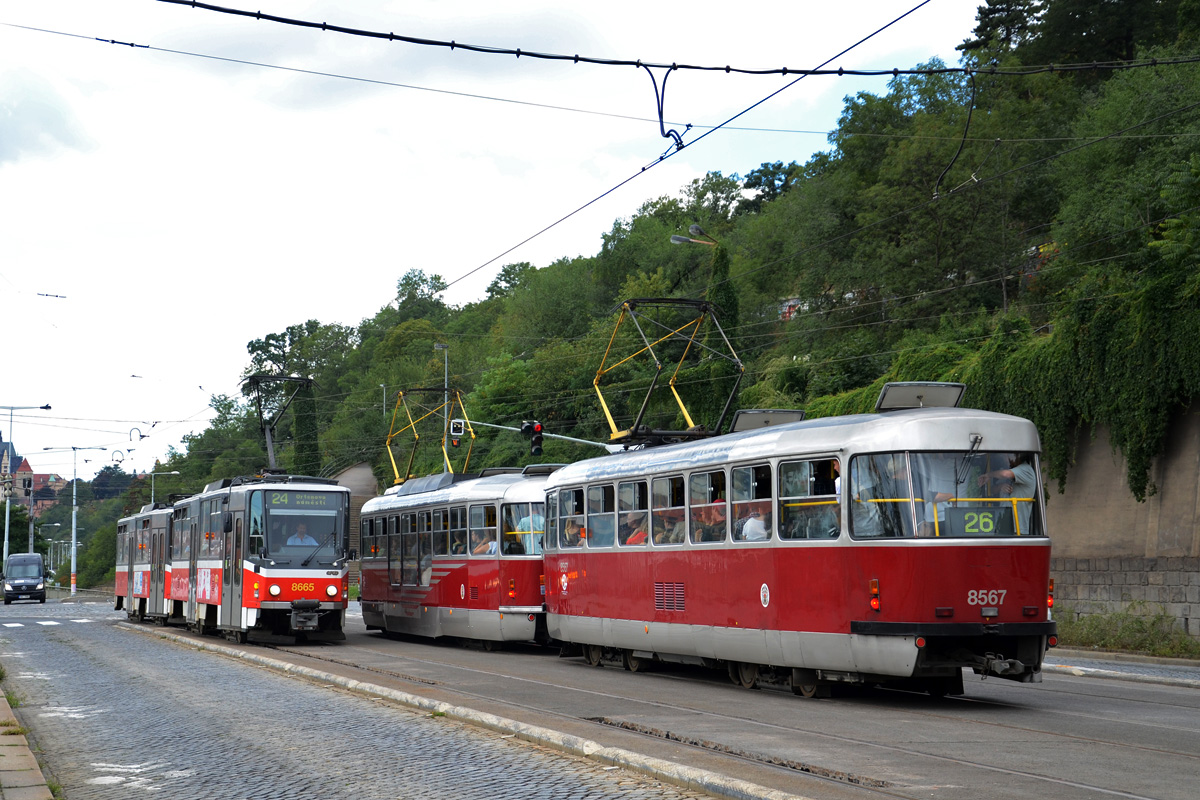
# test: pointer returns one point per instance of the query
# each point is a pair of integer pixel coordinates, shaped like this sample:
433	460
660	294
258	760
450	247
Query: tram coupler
305	616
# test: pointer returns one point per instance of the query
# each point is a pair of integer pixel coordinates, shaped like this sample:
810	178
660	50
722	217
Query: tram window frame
482	526
458	524
257	537
441	531
876	509
809	506
364	537
423	564
571	510
633	513
669	514
712	489
394	551
601	516
751	495
550	536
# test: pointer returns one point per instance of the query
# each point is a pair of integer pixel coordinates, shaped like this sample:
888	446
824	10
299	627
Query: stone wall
1110	550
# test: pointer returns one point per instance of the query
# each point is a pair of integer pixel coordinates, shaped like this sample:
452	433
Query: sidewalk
20	776
1122	666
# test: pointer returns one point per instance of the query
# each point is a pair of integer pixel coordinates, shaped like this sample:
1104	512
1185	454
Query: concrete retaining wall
1110	550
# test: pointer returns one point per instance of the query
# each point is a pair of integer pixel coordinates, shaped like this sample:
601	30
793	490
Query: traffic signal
535	441
457	428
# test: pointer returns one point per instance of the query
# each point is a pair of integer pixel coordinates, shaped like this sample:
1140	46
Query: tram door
158	542
192	532
231	577
130	556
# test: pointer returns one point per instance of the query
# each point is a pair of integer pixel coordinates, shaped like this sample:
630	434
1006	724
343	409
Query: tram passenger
1019	481
756	527
300	536
572	533
532	528
668	528
458	547
637	530
486	544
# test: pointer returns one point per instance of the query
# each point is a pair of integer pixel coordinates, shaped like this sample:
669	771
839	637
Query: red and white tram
890	548
260	558
457	555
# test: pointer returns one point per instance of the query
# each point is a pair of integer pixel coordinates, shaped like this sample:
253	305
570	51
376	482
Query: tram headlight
274	590
331	590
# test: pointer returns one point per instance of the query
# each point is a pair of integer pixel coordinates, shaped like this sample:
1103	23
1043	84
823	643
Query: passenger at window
1021	485
458	547
637	530
572	532
757	528
487	544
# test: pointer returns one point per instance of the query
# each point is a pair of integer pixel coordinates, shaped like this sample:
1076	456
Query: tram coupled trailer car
457	556
895	548
260	559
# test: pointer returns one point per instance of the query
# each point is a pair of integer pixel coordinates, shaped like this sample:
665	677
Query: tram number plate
986	597
304	587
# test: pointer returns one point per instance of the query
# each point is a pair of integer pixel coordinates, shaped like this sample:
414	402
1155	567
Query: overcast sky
162	206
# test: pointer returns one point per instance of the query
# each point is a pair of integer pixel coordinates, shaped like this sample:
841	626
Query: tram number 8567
986	597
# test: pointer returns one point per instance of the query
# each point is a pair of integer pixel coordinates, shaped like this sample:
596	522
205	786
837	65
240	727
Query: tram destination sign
305	500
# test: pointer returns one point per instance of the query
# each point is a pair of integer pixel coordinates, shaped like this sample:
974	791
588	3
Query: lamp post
39	533
8	475
152	474
74	499
445	348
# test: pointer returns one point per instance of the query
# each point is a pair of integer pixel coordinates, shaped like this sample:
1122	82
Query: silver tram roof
507	487
910	429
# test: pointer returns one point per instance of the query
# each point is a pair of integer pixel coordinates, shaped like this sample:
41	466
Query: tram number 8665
986	597
304	587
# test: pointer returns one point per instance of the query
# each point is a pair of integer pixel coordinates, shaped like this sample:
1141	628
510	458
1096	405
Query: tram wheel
747	675
805	689
592	653
634	663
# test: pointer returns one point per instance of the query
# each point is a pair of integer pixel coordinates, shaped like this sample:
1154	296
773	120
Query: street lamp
445	348
39	533
152	474
8	475
74	500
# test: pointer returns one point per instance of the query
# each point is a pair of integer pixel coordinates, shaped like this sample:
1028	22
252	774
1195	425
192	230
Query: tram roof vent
919	394
541	469
748	419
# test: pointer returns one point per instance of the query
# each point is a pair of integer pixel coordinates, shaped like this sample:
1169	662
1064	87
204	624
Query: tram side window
571	520
364	537
751	503
669	518
458	531
180	541
706	494
422	556
122	545
258	532
550	540
441	531
880	496
809	507
395	554
633	513
483	531
601	518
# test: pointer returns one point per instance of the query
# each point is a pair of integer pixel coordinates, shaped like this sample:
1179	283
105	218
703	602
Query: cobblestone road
119	715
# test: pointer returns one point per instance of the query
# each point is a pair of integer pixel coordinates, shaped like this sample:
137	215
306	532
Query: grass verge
1138	628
